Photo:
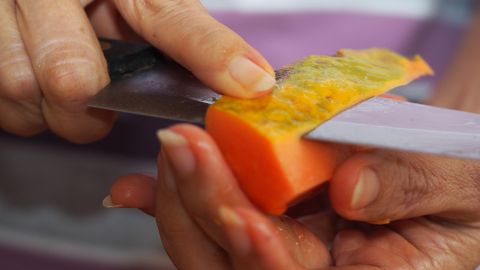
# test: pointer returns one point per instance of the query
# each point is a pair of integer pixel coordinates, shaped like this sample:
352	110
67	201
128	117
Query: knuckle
69	73
465	183
148	11
206	39
165	8
216	41
68	83
417	187
195	32
200	33
410	181
182	18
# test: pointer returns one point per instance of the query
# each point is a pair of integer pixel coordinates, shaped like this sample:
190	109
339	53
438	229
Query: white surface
413	8
451	10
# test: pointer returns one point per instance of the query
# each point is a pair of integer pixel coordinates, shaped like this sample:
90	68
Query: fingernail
177	151
235	228
168	177
250	75
107	203
170	138
380	222
366	189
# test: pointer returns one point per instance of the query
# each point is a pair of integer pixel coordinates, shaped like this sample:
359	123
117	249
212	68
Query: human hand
51	62
206	222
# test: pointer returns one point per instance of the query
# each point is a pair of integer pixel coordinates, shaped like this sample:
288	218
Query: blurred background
51	191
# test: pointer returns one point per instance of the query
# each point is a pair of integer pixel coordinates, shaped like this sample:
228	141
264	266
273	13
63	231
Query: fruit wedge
261	139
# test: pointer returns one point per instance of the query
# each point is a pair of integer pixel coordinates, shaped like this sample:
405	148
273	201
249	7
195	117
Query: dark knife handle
125	58
145	81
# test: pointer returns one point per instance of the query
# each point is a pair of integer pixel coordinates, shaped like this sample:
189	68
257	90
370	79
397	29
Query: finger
187	245
255	242
382	248
137	191
206	186
133	191
20	95
382	186
305	247
108	23
69	66
323	225
202	178
213	52
317	215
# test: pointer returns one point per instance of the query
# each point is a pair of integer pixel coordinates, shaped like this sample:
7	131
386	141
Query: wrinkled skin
51	62
206	222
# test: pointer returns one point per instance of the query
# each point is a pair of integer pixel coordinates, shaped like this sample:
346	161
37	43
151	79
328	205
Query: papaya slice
261	138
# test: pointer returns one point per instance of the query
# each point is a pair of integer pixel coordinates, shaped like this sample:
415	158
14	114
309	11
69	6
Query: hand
205	221
51	62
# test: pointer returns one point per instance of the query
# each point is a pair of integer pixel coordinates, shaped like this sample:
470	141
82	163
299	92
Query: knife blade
158	91
401	125
147	83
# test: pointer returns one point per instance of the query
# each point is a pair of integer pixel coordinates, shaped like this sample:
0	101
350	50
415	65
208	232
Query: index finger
202	178
213	52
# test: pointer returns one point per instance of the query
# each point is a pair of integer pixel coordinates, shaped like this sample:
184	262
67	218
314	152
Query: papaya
261	139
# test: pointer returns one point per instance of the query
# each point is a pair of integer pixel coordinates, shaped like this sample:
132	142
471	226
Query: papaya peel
261	139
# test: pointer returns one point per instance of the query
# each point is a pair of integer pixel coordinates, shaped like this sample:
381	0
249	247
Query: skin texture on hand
52	63
429	207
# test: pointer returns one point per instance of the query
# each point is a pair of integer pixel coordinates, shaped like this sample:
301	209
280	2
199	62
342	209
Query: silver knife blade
377	122
165	89
400	125
170	93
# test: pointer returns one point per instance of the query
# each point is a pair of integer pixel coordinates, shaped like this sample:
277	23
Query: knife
148	83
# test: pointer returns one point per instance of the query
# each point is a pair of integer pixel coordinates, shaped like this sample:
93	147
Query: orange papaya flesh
261	138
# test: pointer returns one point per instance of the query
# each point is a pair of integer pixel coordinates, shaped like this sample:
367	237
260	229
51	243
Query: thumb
210	50
381	186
